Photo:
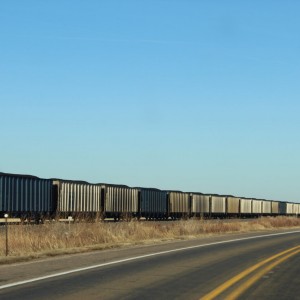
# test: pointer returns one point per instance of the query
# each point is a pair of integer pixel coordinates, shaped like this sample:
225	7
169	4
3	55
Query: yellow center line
242	288
213	294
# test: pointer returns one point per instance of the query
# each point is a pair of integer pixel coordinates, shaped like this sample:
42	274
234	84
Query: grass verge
28	242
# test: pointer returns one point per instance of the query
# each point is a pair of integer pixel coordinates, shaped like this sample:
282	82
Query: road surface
239	266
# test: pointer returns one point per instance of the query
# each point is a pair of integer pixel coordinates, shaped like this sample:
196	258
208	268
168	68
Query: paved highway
240	266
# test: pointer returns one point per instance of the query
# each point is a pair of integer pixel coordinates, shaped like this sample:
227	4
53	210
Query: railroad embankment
27	242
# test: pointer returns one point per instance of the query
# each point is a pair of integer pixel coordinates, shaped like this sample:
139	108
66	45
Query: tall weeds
55	238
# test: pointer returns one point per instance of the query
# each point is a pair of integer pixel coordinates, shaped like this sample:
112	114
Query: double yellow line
273	260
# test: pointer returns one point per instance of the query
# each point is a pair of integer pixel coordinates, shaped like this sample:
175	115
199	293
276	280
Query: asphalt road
239	266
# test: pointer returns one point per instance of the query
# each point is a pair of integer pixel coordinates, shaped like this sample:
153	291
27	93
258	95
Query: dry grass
27	241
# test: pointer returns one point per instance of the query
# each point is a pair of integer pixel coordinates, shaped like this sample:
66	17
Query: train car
78	199
266	207
25	196
179	205
282	208
218	206
275	208
233	206
296	210
245	207
120	202
153	203
289	209
256	207
200	205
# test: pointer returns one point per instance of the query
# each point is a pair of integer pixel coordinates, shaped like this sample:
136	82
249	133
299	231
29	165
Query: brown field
33	241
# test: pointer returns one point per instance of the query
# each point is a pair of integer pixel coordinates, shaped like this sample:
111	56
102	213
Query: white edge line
136	258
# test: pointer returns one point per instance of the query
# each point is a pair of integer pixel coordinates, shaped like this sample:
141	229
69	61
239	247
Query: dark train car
153	203
25	196
282	208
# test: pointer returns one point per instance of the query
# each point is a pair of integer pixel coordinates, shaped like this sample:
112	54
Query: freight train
30	197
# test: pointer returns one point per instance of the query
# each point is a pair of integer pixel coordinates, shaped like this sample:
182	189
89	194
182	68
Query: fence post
6	234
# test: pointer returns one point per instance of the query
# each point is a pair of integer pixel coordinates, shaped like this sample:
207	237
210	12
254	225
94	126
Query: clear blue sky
188	95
